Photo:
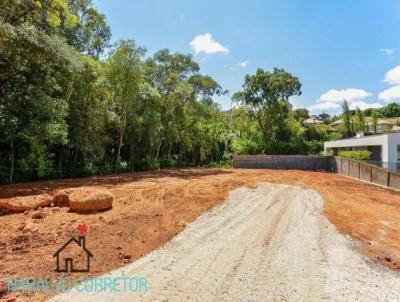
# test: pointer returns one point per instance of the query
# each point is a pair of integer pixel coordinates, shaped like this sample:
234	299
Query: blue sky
339	48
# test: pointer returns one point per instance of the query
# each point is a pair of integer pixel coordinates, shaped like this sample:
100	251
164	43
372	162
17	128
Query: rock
38	214
30	227
26	203
55	209
61	199
88	199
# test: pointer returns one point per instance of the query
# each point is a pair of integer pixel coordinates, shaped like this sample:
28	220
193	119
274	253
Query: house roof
368	121
77	241
313	121
338	122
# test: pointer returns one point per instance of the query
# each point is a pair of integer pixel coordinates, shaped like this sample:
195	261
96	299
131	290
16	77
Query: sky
339	49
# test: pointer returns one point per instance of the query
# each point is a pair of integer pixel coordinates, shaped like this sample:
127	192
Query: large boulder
88	199
26	203
61	199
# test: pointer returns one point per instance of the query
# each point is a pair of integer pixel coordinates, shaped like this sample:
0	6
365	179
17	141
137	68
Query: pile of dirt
150	208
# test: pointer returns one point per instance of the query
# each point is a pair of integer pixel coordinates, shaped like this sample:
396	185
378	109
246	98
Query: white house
385	148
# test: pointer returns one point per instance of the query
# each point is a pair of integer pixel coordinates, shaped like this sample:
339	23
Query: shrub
358	155
220	164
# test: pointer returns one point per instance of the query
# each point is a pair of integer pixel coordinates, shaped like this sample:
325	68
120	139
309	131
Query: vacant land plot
271	243
152	207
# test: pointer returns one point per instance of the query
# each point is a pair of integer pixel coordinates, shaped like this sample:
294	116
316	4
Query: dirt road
266	244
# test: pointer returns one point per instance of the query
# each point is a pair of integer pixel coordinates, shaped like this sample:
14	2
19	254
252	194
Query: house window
398	152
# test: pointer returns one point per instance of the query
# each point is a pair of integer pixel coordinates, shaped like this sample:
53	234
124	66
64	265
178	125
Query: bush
168	163
358	155
220	164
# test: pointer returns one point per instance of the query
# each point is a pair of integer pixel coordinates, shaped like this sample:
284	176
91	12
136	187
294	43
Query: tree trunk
11	160
121	138
131	160
169	151
60	164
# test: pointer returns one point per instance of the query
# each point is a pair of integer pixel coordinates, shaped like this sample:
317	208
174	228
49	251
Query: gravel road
272	243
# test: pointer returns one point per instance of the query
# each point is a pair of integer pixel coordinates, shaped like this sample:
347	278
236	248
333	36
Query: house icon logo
73	256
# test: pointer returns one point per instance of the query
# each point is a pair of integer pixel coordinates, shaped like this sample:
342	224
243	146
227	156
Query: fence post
370	174
388	179
341	166
348	170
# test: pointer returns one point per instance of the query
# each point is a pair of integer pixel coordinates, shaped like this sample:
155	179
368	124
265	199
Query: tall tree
124	75
359	121
266	98
346	117
375	116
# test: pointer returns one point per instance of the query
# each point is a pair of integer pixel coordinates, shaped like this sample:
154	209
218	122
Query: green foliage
301	114
64	112
375	116
265	97
390	110
359	121
358	155
348	130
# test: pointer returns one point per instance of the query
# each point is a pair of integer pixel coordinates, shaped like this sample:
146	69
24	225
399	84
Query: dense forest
72	104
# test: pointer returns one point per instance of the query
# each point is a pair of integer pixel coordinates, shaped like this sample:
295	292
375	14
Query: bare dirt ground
272	243
152	207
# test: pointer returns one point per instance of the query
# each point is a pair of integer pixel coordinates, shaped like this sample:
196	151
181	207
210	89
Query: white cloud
349	94
387	51
332	100
391	94
326	106
363	105
243	63
392	77
206	44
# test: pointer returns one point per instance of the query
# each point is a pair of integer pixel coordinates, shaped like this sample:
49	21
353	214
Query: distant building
385	148
337	125
312	122
382	124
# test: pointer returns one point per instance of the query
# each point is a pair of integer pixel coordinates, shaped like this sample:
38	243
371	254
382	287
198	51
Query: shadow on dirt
49	186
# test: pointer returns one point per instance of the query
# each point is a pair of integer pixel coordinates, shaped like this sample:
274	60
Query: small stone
38	215
30	227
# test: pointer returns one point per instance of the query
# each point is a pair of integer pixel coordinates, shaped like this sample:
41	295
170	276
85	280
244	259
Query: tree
375	116
391	110
91	34
359	121
265	96
324	116
301	114
124	75
346	117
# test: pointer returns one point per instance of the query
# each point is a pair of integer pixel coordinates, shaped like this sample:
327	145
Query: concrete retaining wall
349	167
367	172
283	162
